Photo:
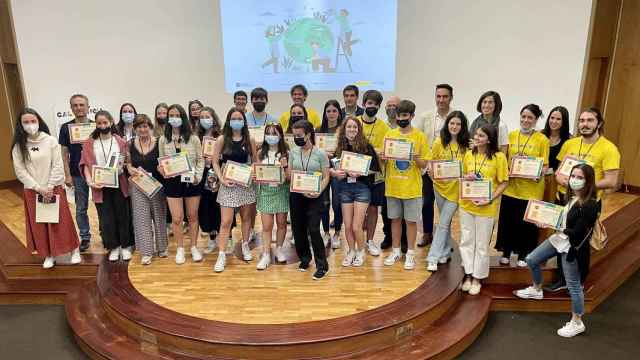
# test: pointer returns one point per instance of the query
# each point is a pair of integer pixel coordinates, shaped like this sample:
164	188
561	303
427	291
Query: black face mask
371	111
103	131
296	118
162	121
300	141
403	123
259	106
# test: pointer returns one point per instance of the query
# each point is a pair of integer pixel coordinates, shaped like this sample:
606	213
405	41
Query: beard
586	132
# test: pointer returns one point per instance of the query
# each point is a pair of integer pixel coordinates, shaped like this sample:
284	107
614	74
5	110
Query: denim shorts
358	192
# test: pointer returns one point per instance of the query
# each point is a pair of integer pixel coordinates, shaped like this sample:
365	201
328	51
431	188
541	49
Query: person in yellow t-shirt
450	145
403	188
299	95
523	142
477	216
374	131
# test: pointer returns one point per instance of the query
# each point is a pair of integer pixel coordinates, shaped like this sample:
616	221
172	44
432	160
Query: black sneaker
319	274
556	286
303	266
84	245
385	244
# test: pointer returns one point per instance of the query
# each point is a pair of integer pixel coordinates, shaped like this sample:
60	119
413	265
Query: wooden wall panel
7	47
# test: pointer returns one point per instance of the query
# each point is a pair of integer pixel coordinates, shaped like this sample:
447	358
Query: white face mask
128	117
175	122
31	129
576	184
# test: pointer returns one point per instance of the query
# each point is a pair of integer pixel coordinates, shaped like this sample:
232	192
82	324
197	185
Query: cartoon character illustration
320	58
345	31
273	34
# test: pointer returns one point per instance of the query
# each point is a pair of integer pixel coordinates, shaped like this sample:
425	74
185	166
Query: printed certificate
48	211
146	183
302	182
327	142
105	176
176	164
257	133
527	167
567	164
208	142
446	169
355	163
79	133
544	214
268	174
475	189
237	173
398	149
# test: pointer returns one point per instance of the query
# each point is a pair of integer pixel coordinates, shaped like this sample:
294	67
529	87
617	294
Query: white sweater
44	167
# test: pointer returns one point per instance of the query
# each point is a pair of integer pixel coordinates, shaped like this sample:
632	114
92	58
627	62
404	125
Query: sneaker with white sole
432	266
392	258
374	249
504	261
280	257
48	263
326	238
75	256
348	259
246	252
221	262
335	241
196	256
571	329
146	260
529	293
164	253
180	256
443	260
211	245
522	264
466	284
358	260
114	254
475	288
409	261
126	253
265	261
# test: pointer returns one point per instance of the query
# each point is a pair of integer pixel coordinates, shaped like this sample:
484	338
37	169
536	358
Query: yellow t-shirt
494	169
603	155
403	179
449	189
375	132
312	116
536	145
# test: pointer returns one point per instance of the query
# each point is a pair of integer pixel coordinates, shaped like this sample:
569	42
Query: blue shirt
257	121
75	150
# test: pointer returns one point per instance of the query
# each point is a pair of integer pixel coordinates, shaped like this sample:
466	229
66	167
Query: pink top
89	159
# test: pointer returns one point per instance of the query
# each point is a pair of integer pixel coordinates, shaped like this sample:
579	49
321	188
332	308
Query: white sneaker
280	257
529	293
292	240
75	256
220	263
409	261
326	238
265	261
180	256
443	260
196	256
359	259
146	260
431	266
392	258
466	284
522	264
126	253
348	259
114	254
335	241
475	288
48	263
246	252
164	253
571	329
204	234
374	249
211	245
504	261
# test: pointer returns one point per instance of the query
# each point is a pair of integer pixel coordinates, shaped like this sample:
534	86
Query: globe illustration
302	33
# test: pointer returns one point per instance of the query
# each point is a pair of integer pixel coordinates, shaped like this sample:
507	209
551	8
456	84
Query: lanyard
106	160
454	157
372	128
580	156
475	164
264	121
521	152
302	159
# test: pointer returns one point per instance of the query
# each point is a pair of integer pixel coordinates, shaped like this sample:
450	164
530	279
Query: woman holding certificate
445	169
486	178
571	242
148	202
272	191
181	164
103	156
308	171
37	162
529	159
236	150
355	158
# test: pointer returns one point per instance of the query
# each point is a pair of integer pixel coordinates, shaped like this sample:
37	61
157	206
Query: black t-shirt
149	161
75	150
553	154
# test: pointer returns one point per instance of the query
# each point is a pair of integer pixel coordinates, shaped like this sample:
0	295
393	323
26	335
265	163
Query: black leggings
114	217
305	222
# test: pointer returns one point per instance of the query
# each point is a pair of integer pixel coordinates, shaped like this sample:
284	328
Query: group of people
403	190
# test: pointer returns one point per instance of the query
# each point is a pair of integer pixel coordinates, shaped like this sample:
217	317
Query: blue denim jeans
81	195
571	272
441	245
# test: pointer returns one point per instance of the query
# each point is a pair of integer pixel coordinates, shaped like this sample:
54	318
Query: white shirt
44	167
103	150
430	123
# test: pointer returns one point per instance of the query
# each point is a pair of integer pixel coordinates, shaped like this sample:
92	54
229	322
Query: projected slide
324	44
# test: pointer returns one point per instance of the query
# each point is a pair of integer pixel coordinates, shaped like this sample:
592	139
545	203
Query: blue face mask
272	139
128	117
175	122
236	124
206	123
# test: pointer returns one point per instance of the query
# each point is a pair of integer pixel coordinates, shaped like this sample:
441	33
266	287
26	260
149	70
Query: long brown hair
360	143
283	148
227	133
492	135
589	191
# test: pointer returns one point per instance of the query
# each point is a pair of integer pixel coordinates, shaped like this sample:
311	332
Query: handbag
599	237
